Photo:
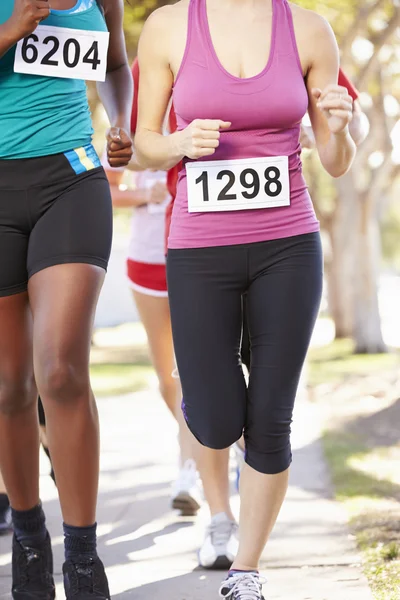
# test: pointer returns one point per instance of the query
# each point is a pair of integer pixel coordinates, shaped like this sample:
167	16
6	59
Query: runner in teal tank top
55	241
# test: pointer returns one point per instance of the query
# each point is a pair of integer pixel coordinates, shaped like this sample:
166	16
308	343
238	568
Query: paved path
151	552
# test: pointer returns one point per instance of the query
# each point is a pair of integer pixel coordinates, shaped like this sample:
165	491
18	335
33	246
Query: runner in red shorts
146	192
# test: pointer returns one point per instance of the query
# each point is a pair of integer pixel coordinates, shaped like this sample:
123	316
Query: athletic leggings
282	280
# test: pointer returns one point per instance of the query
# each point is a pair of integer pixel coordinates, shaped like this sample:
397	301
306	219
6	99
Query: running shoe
85	579
186	491
32	571
220	545
240	460
242	586
5	521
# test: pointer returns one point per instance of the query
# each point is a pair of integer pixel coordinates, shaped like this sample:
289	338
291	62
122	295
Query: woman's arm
359	125
116	93
124	198
8	37
153	149
330	106
121	198
358	129
128	198
26	16
133	164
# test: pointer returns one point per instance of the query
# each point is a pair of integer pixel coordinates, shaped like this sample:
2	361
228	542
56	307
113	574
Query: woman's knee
16	394
214	431
270	452
64	381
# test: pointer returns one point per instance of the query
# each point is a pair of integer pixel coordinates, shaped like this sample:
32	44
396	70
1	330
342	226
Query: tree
136	13
353	221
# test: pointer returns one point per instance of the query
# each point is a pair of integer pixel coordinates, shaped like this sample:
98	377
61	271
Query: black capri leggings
282	280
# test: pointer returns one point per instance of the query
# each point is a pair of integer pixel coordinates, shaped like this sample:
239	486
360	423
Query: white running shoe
243	586
240	460
186	491
221	543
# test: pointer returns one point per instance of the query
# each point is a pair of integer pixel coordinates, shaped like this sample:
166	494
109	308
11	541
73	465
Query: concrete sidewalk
151	552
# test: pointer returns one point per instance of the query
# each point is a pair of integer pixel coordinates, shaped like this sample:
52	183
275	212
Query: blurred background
353	370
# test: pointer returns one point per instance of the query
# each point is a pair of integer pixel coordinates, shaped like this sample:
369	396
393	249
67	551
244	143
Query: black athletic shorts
53	210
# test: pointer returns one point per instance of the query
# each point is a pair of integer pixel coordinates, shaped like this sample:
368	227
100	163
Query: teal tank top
41	116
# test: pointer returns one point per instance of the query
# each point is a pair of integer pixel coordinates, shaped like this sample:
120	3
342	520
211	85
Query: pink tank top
266	113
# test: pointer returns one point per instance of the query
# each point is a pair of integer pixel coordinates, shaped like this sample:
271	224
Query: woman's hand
337	106
26	16
119	147
200	138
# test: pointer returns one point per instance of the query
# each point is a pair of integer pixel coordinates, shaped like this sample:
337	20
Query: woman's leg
283	304
19	429
212	464
213	467
205	298
63	300
155	316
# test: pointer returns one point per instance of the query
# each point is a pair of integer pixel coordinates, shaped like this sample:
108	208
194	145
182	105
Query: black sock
80	541
4	503
30	526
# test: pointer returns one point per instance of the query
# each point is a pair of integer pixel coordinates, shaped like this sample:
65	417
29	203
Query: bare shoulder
165	19
314	36
309	22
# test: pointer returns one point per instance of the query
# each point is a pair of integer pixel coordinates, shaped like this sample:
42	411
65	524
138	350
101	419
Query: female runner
55	239
242	75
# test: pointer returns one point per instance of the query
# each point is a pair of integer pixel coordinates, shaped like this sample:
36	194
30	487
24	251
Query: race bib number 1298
61	52
243	184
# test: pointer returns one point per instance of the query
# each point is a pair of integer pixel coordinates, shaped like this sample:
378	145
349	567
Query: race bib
224	185
61	52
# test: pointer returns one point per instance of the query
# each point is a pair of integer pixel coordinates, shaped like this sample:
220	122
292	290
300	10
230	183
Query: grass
373	505
336	362
117	379
366	478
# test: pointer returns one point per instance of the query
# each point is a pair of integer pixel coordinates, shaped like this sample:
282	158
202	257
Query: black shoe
32	572
5	521
85	579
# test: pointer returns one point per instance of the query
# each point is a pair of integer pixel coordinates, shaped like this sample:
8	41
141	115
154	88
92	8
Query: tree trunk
367	323
341	267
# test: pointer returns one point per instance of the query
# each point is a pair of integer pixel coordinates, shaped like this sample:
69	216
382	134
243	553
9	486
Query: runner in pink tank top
242	74
265	112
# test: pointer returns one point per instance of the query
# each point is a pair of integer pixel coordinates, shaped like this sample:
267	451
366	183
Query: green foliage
367	499
114	380
336	362
136	13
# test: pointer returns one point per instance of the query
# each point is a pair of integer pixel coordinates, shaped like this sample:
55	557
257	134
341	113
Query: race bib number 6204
243	184
61	52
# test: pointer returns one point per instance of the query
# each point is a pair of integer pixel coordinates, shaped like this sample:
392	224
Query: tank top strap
196	44
285	43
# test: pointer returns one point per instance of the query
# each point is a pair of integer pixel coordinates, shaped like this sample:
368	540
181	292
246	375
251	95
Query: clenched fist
200	138
26	17
337	106
119	147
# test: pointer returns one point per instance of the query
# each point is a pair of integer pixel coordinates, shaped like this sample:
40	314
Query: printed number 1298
238	184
